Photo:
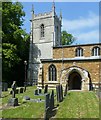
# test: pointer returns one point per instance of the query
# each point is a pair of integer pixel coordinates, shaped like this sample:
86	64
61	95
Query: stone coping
92	58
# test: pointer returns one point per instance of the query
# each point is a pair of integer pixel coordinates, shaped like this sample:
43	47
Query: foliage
67	39
15	42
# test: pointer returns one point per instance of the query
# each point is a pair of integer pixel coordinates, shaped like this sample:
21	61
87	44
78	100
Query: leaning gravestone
52	100
46	89
13	101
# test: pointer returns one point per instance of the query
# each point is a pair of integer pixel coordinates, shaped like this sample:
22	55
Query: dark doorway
74	82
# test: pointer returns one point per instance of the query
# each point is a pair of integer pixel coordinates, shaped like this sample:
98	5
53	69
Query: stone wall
69	51
92	67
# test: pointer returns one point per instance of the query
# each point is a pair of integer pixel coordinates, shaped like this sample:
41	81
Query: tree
67	39
15	42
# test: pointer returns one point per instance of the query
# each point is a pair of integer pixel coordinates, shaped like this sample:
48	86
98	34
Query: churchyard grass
79	105
25	109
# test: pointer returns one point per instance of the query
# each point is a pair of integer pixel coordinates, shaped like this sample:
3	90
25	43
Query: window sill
53	82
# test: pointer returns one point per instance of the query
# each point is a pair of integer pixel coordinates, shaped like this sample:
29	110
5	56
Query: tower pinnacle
53	6
32	9
60	15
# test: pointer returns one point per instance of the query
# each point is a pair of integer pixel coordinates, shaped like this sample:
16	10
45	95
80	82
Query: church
51	63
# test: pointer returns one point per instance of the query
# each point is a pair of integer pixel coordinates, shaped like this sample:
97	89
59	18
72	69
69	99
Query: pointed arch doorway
74	81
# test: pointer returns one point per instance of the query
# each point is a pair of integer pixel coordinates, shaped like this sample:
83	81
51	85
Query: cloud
85	29
87	37
92	20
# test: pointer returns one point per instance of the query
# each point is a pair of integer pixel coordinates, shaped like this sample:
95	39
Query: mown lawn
79	105
25	109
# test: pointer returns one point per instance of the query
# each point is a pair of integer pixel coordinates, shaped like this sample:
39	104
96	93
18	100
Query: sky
81	19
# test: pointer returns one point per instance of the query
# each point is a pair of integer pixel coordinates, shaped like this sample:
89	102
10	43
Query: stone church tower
45	33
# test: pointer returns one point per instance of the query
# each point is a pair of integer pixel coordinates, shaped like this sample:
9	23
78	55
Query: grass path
79	105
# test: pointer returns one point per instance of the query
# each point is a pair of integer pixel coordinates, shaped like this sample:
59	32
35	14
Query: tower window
52	73
96	51
79	52
42	31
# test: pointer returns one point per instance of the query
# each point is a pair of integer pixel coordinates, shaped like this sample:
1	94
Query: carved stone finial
32	9
60	15
53	6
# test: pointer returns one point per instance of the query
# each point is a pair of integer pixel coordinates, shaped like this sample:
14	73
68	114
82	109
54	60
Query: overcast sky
78	18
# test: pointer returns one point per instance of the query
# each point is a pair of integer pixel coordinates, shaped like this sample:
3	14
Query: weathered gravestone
36	92
39	91
21	90
46	89
4	86
52	100
47	100
66	88
59	92
16	91
47	106
13	101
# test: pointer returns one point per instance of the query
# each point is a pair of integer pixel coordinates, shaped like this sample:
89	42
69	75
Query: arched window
96	51
79	52
52	73
42	30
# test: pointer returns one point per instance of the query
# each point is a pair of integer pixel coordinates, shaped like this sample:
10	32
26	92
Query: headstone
13	102
61	93
58	93
46	89
47	101
47	105
36	92
26	98
65	93
4	86
21	90
52	100
17	91
40	91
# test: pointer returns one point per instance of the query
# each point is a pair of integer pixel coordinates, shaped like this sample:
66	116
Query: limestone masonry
51	63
